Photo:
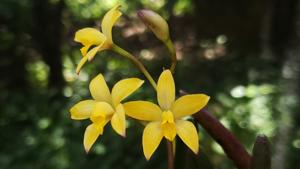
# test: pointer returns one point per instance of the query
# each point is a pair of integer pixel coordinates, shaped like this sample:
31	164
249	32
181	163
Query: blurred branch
261	155
47	36
232	147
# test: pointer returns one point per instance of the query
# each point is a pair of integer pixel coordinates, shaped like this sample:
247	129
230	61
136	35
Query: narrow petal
98	48
118	121
91	134
189	104
82	110
81	63
188	134
152	136
91	53
109	20
142	110
165	90
84	50
99	89
89	36
124	88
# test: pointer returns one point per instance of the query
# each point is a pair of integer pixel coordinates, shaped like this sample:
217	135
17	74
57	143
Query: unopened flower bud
156	23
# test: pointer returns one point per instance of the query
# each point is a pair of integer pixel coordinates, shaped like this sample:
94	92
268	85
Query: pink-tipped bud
156	23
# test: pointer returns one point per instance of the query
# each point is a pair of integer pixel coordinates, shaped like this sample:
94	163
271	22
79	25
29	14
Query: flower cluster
165	120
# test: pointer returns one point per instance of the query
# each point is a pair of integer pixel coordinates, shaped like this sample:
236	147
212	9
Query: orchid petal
89	36
188	134
152	136
109	20
118	121
91	134
124	88
99	89
84	50
80	64
82	110
189	104
142	110
166	90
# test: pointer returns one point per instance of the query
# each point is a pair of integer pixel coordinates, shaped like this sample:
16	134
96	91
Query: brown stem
170	155
231	146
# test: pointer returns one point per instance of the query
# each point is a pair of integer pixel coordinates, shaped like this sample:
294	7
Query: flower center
168	125
98	119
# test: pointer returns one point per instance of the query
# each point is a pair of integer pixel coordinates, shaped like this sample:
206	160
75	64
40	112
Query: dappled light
244	56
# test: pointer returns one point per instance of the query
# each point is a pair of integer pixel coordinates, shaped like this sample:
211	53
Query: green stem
136	62
172	50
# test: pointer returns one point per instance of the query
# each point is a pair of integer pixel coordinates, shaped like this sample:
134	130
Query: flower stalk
170	154
136	62
172	50
232	147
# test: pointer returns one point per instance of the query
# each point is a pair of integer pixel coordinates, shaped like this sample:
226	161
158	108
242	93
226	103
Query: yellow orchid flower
166	120
89	37
106	106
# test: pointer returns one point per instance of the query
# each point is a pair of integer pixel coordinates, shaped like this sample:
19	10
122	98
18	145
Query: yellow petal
188	134
91	134
124	88
152	136
99	89
84	50
98	48
109	20
142	110
101	113
168	126
80	64
118	121
91	54
189	104
82	110
166	90
89	36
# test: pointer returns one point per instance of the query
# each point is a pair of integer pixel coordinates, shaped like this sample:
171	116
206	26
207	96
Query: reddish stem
170	155
231	146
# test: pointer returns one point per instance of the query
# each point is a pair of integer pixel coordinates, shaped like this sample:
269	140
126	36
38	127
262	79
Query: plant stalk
136	62
172	50
230	144
170	154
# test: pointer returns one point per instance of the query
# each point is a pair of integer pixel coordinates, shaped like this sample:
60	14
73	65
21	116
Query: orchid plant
167	119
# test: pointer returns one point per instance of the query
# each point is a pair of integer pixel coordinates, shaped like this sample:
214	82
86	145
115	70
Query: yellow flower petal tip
189	104
92	132
152	137
109	20
165	90
118	121
187	132
82	110
124	88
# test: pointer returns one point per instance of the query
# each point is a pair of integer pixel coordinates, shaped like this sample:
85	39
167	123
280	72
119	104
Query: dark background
245	54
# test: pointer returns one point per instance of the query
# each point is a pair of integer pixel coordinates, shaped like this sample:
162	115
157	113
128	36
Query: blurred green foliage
219	51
